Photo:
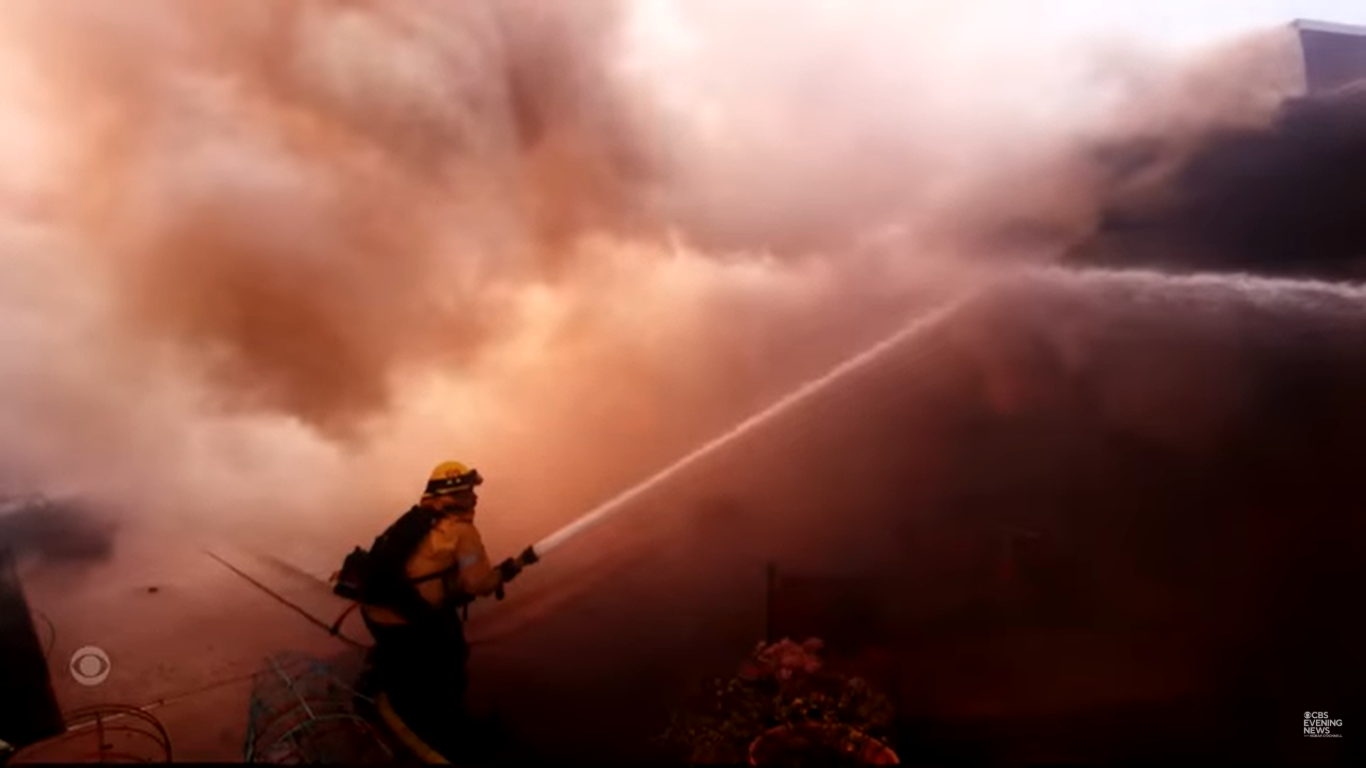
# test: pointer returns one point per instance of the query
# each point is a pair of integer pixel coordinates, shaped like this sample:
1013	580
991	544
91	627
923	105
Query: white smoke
266	262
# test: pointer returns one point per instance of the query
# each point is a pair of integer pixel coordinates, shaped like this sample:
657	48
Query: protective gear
451	478
422	671
433	565
508	570
380	577
511	567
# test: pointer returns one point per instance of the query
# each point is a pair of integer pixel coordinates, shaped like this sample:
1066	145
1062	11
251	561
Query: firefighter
425	568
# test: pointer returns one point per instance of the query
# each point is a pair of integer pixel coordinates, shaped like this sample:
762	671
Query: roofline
1309	25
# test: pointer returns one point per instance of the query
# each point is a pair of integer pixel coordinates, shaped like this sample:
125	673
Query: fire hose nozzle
529	556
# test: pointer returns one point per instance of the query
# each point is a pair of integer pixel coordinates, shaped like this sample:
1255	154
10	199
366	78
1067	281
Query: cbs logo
89	665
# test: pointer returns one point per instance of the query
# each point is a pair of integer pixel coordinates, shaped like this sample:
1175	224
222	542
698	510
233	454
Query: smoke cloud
54	532
1281	200
269	261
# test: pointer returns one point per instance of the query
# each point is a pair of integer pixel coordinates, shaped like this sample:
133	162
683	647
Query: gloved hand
508	569
528	557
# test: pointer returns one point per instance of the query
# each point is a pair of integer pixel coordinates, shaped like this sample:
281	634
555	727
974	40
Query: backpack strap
398	591
416	609
434	575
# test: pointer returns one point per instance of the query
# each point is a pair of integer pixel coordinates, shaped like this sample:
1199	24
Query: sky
1176	20
1196	22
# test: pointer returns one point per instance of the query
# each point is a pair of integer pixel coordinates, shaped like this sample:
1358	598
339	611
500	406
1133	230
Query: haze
265	264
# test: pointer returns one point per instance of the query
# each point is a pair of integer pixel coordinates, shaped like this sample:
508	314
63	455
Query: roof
1309	25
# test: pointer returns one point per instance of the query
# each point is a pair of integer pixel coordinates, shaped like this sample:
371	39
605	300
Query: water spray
785	403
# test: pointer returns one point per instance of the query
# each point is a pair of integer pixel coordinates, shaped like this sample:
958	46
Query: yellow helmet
451	477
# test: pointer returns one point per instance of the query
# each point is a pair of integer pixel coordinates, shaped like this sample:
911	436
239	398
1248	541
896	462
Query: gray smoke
273	261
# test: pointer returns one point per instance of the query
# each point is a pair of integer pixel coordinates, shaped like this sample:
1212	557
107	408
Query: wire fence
108	733
302	712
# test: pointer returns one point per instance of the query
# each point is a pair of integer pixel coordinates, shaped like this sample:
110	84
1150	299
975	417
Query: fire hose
789	401
512	566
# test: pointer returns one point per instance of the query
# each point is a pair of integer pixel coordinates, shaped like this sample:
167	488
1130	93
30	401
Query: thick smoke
306	197
54	532
245	227
1085	501
268	260
1281	199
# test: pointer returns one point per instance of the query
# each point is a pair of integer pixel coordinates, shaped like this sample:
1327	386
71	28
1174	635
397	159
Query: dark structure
28	707
1142	555
63	532
1334	55
1281	199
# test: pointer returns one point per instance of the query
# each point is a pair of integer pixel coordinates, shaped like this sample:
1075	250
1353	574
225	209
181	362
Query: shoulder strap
434	574
388	584
407	600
